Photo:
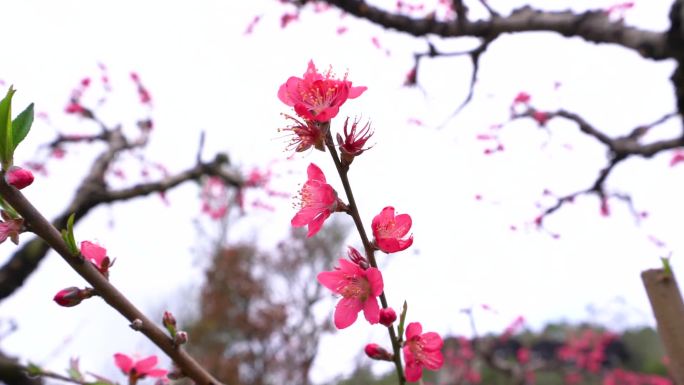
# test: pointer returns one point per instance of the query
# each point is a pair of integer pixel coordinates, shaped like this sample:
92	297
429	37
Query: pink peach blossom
97	255
318	201
353	142
304	134
317	96
139	368
421	350
359	289
10	227
390	230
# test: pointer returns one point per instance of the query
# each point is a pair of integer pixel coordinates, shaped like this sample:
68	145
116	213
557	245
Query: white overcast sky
205	74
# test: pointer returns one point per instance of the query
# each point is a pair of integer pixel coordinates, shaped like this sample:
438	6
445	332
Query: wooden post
668	308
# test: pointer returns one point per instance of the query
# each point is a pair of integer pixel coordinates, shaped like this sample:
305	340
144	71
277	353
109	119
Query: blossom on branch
359	289
356	257
305	135
317	96
10	227
540	117
421	350
318	201
352	143
214	198
138	369
97	255
390	230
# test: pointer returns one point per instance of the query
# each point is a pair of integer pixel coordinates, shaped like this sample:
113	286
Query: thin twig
368	247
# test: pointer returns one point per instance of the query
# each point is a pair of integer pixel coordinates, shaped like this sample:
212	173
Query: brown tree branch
619	149
93	191
11	372
593	26
89	195
104	288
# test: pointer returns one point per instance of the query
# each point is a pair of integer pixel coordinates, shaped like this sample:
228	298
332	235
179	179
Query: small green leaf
65	237
74	374
6	129
21	126
33	370
402	319
667	268
10	210
70	231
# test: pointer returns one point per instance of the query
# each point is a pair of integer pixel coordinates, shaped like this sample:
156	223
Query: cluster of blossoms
316	99
97	256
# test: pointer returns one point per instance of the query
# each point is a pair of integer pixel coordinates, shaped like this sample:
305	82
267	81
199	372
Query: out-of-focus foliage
257	323
560	354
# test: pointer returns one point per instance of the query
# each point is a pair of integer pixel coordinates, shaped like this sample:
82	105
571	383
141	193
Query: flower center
385	229
356	287
416	347
320	96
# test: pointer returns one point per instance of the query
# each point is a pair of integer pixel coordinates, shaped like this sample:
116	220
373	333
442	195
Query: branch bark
104	288
91	193
592	26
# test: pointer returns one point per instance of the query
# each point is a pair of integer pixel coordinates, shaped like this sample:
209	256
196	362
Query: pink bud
541	117
18	177
72	296
357	258
387	316
169	321
377	352
180	338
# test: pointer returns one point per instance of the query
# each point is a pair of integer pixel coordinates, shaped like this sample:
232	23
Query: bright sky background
205	74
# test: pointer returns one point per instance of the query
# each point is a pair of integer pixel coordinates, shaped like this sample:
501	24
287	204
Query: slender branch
105	289
619	149
368	247
475	55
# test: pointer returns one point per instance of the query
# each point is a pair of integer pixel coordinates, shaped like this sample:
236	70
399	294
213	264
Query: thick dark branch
593	26
90	194
11	372
104	288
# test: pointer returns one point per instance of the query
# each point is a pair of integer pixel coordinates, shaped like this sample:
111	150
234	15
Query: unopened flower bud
137	324
387	316
169	322
353	142
180	338
72	296
356	257
18	177
377	352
